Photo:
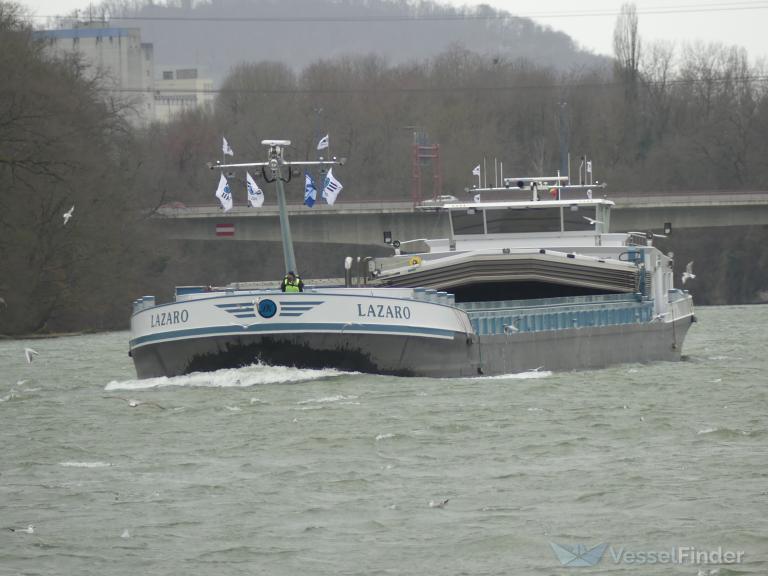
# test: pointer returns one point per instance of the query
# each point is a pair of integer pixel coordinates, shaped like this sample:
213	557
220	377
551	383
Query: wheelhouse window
532	219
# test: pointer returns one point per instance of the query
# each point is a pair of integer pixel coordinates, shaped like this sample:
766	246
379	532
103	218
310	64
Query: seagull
440	504
136	403
592	220
28	530
68	215
29	353
688	272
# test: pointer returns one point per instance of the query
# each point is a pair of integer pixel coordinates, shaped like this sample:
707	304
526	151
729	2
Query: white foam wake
531	374
327	399
85	464
255	375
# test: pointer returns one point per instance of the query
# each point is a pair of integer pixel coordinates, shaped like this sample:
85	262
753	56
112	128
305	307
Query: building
179	90
123	64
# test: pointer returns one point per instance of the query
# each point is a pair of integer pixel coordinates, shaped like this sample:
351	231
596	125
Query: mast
279	170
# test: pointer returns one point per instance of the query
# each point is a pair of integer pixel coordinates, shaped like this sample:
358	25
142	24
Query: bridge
364	223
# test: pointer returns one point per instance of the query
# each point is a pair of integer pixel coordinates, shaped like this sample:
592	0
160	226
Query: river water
283	471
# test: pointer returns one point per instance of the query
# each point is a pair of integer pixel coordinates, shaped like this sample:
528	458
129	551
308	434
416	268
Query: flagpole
275	162
285	226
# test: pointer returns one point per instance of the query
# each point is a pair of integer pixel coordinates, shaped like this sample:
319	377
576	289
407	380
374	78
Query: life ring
415	261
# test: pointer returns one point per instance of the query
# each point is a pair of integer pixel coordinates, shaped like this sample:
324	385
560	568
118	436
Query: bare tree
626	47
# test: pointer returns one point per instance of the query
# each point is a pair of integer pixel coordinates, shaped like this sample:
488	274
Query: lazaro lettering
168	318
383	311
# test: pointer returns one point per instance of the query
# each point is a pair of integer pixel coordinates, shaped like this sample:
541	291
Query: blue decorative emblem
267	308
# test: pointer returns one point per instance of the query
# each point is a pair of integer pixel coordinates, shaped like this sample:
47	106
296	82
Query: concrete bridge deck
364	222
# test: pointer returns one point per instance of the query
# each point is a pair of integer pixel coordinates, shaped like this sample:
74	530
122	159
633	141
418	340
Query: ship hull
455	354
583	348
377	354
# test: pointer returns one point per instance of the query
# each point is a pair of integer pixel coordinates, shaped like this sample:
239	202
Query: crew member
292	283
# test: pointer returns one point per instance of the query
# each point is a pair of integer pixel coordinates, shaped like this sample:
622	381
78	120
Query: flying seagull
592	220
28	530
68	215
136	403
688	272
30	353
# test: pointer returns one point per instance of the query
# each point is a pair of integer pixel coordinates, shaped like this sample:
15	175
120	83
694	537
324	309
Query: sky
590	22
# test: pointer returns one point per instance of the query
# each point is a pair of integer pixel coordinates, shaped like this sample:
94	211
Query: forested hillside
222	33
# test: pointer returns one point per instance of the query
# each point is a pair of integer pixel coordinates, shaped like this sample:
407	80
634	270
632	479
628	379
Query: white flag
589	166
255	195
476	170
226	148
331	188
323	144
224	194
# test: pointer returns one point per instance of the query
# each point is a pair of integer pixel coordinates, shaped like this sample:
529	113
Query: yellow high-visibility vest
292	286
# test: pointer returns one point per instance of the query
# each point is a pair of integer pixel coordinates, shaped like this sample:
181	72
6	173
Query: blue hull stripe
293	327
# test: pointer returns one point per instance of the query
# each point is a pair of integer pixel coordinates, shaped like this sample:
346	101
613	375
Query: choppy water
281	471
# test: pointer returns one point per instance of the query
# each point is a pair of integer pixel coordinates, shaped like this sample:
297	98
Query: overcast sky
591	22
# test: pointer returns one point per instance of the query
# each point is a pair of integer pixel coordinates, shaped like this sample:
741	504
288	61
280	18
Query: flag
225	229
226	148
255	195
224	194
323	144
310	192
589	166
476	170
331	187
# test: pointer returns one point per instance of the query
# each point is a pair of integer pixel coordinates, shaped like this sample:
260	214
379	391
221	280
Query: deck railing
509	317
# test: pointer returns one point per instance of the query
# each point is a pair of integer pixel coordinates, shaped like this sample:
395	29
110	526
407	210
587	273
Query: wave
530	374
326	399
728	433
255	375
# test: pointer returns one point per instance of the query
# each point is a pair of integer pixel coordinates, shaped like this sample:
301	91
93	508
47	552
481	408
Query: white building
179	90
117	56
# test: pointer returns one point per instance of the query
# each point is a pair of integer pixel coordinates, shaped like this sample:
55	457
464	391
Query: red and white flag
225	229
